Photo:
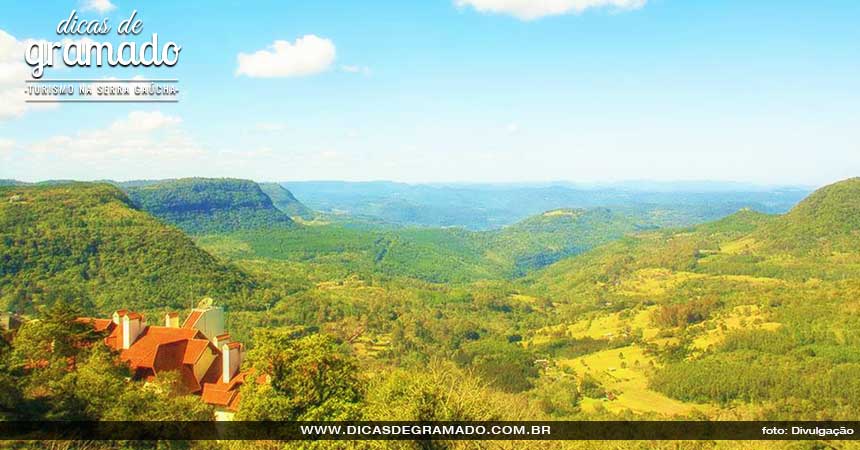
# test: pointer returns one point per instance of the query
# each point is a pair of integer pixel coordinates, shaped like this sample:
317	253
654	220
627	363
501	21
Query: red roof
168	356
144	349
192	319
160	348
195	349
215	394
173	314
114	339
227	394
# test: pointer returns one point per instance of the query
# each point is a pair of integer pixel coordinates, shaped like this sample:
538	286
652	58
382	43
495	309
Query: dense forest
88	242
201	205
285	201
579	314
435	254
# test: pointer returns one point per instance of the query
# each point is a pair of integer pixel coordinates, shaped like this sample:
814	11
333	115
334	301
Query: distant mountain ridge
493	206
208	205
472	206
821	235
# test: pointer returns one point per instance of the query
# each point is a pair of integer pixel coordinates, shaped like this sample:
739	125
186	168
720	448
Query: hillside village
200	350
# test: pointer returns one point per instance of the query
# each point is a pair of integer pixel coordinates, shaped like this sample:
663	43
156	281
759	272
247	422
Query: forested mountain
827	221
546	238
434	255
286	202
492	206
438	255
208	205
87	241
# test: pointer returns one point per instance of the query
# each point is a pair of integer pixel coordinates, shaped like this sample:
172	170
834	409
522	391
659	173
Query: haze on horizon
703	185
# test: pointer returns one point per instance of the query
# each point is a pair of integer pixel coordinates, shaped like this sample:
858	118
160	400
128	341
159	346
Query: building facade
200	350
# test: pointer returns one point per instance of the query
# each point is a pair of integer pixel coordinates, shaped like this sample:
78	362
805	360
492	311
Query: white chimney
222	339
132	325
117	316
171	320
231	359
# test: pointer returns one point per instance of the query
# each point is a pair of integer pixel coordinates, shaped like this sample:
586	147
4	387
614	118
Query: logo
79	49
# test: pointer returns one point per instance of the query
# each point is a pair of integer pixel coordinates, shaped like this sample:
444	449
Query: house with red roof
200	350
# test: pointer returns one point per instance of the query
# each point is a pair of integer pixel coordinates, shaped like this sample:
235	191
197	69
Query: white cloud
143	122
512	128
140	144
99	6
133	140
13	72
6	146
364	70
308	55
10	48
534	9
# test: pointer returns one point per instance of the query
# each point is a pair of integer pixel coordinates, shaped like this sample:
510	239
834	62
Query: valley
593	313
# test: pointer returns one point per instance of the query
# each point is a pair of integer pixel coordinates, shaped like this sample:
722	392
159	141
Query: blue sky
459	90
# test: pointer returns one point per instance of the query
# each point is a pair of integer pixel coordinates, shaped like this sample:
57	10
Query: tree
100	380
10	392
438	392
311	379
507	366
47	348
160	400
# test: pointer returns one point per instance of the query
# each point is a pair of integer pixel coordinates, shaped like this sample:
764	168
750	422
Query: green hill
86	241
433	254
752	314
592	273
286	202
209	205
826	221
546	238
737	224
